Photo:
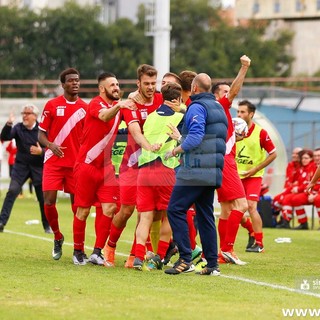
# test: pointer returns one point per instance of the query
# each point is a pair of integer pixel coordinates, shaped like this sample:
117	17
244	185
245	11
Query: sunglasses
26	113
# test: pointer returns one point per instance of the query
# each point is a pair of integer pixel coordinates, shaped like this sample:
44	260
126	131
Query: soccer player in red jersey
94	173
60	130
147	80
156	177
231	194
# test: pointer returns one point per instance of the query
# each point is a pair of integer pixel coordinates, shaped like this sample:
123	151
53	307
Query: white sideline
270	285
50	240
258	283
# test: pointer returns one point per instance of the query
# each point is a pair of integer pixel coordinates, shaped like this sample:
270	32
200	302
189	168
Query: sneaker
96	259
48	230
57	248
255	248
180	267
206	271
155	263
196	252
172	250
129	262
302	226
1	227
150	255
251	241
231	257
284	225
139	265
79	258
109	253
200	265
221	259
85	257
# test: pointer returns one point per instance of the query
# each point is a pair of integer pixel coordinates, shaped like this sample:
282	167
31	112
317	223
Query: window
276	6
300	5
318	5
256	7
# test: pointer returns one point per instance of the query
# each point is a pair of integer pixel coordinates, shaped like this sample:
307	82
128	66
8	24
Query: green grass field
34	286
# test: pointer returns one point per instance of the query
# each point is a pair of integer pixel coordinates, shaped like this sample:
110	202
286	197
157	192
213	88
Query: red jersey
133	150
63	121
231	138
292	173
12	150
98	136
305	175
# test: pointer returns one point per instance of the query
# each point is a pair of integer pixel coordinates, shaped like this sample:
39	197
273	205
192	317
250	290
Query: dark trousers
11	196
182	198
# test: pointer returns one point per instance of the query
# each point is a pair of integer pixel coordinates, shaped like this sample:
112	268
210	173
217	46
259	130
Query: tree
203	42
40	45
15	53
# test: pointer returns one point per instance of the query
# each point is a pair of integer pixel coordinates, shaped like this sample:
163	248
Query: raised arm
238	81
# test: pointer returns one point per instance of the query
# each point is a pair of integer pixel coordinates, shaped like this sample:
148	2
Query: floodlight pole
161	40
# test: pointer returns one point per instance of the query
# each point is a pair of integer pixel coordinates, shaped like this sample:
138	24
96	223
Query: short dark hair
171	91
65	72
216	86
105	75
174	75
250	105
187	77
146	69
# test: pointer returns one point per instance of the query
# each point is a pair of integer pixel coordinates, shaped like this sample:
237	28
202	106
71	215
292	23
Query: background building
302	17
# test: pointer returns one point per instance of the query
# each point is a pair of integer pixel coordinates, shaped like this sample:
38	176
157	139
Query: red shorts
155	184
94	185
58	178
231	187
252	187
128	186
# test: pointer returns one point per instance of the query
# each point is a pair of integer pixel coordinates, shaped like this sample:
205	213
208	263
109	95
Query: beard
114	96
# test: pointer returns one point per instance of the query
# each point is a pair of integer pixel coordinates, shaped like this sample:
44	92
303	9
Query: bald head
295	154
201	83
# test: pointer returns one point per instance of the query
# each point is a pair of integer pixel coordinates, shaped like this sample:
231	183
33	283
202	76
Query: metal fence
48	88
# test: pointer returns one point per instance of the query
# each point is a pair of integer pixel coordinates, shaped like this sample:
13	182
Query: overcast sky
228	2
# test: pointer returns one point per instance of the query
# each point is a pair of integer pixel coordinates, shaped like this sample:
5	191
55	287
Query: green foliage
205	43
126	49
39	45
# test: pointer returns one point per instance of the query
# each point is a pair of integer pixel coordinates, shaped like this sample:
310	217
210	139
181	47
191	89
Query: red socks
102	231
222	229
192	229
140	251
52	217
259	237
233	223
248	225
162	248
115	234
79	229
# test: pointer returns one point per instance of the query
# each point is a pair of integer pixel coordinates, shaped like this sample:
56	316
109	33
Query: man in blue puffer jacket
203	147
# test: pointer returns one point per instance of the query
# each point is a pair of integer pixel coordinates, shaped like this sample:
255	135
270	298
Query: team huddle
181	147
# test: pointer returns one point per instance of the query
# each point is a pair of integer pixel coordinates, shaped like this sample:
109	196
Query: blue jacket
204	142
